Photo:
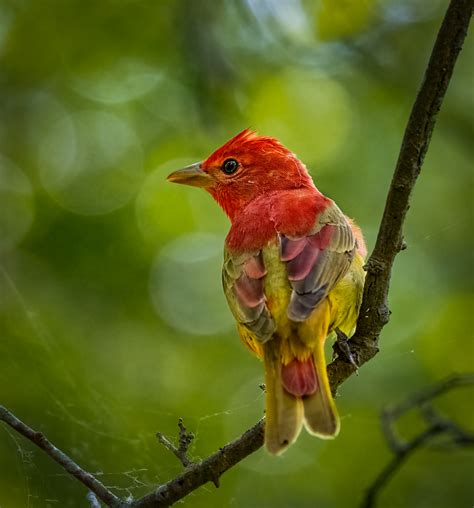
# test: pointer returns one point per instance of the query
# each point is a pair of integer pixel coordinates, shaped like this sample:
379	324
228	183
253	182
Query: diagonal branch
94	485
209	470
374	312
437	426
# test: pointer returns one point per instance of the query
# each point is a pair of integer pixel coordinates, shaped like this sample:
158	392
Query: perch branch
209	470
38	438
374	312
437	425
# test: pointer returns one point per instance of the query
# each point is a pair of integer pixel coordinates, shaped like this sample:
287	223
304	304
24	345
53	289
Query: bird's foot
342	349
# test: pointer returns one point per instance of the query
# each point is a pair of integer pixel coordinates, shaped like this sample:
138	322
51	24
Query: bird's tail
284	412
297	393
320	413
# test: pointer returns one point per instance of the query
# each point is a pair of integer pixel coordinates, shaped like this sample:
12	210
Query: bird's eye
230	166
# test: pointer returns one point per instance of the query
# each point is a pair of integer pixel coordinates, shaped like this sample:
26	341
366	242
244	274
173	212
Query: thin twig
184	439
437	426
209	470
92	498
394	465
419	400
446	385
94	485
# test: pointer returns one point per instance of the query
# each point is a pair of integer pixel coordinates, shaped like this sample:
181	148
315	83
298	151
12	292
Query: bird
293	276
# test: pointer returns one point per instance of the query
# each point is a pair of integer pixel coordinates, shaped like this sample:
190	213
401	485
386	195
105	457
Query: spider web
134	481
40	485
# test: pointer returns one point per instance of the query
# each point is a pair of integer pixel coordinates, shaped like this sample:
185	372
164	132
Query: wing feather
242	278
314	262
317	261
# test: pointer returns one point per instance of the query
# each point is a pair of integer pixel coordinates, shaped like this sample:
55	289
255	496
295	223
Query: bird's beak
191	175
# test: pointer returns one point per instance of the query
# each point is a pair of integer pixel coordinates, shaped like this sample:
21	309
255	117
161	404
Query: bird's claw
342	349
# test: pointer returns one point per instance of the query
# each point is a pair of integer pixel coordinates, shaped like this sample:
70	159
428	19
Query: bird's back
280	222
338	310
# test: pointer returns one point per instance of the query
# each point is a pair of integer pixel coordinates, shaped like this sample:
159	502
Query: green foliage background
112	319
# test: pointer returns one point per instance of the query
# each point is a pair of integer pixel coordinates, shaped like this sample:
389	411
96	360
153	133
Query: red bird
293	275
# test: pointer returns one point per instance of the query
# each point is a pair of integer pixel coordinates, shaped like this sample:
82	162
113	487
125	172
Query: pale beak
191	175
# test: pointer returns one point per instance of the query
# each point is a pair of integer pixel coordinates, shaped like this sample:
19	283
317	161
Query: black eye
230	166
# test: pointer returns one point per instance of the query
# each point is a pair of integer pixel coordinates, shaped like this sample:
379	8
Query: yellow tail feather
284	412
320	414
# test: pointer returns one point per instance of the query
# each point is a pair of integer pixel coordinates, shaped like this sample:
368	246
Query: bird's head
245	168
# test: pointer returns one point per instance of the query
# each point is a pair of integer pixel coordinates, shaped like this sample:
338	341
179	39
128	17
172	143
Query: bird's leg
342	349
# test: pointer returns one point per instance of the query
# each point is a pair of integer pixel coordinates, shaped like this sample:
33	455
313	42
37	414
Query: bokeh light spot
192	208
157	197
185	285
122	82
17	204
310	113
6	21
344	19
449	326
91	163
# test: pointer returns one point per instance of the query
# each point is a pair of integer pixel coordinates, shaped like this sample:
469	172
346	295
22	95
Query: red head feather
264	165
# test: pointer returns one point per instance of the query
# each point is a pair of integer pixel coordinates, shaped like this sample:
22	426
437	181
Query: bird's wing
317	261
242	278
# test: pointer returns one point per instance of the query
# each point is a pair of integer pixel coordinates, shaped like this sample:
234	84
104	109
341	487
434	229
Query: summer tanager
293	275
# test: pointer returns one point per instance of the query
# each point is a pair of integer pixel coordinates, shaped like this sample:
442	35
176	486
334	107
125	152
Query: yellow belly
346	297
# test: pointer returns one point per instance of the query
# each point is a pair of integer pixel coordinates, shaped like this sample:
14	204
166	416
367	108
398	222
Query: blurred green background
112	319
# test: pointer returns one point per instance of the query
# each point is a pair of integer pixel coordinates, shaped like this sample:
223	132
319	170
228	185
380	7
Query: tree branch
94	485
419	400
374	312
209	470
437	426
